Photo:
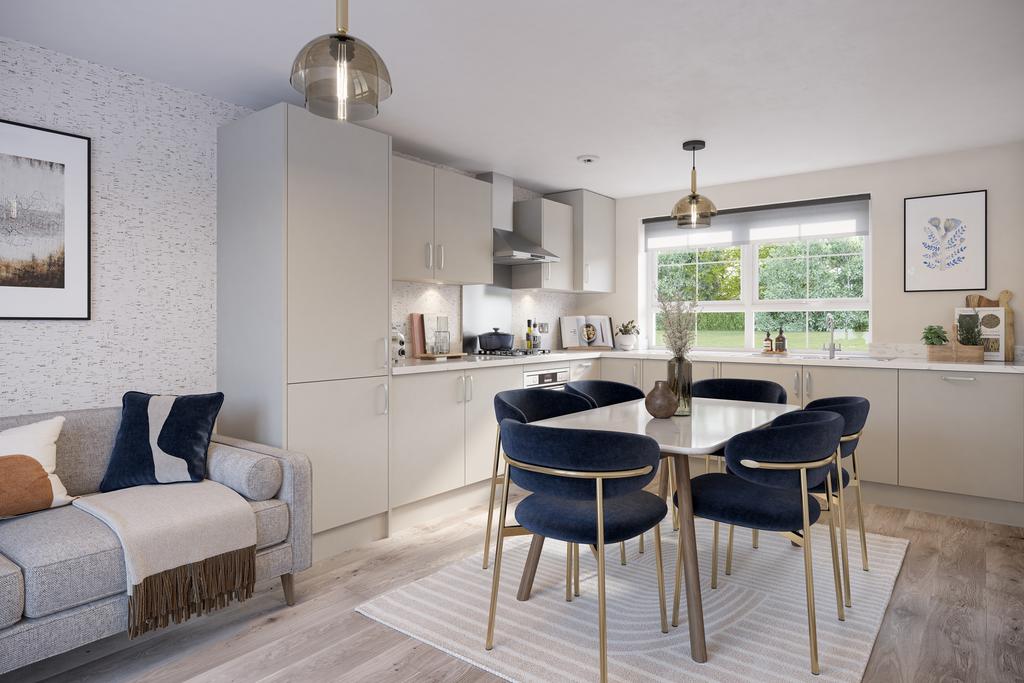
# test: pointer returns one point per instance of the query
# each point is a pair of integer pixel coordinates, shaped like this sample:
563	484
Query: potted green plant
627	333
968	346
936	341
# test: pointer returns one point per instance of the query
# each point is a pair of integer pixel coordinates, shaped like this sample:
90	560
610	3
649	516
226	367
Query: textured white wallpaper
154	203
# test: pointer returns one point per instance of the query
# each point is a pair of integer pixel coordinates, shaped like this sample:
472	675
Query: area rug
755	621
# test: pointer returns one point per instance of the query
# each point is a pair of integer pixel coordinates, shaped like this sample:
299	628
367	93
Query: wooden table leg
530	568
691	571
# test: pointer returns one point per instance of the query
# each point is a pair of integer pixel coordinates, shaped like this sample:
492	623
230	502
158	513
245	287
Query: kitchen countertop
841	361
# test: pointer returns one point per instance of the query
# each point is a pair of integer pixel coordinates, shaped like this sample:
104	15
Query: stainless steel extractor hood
510	248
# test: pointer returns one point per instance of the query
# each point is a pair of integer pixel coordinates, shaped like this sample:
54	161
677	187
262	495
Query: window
784	266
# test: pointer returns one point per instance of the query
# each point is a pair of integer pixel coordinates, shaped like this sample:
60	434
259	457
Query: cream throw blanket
189	548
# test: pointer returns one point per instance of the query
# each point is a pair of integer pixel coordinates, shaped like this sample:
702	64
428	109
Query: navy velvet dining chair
602	393
767	486
524	405
586	487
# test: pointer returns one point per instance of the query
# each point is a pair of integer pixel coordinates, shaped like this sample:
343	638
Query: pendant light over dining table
694	210
340	76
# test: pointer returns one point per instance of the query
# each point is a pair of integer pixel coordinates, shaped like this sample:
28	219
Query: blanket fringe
191	589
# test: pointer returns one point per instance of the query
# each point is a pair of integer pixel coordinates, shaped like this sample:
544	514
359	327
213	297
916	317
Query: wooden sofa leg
288	584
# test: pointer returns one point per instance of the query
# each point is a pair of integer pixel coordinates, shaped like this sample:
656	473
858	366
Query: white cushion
38	441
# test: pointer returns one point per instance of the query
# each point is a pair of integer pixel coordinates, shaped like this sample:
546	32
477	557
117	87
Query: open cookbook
587	332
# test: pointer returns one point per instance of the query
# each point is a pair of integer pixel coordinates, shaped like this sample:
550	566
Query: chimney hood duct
510	248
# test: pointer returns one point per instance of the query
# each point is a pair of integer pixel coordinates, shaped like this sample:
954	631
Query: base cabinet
585	369
962	432
789	376
624	370
481	386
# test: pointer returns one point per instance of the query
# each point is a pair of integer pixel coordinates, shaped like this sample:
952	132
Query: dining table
710	425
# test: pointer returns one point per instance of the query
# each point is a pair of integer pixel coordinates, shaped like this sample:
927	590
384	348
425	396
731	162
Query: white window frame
749	302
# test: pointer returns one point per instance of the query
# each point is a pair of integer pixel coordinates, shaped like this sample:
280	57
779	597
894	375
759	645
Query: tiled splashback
545	307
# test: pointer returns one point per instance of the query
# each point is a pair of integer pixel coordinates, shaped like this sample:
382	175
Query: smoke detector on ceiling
588	159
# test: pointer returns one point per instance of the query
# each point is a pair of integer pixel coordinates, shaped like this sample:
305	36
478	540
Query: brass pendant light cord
342	17
693	174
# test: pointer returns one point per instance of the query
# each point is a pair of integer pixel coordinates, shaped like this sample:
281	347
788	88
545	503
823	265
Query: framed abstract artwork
945	242
44	223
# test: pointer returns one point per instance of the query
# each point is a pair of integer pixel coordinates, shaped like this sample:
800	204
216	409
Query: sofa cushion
12	593
256	476
67	558
271	522
28	458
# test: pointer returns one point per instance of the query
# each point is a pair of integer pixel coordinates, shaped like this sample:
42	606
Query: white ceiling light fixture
340	76
588	159
694	210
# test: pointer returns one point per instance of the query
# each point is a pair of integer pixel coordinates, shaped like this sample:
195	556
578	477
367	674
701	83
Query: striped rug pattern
755	621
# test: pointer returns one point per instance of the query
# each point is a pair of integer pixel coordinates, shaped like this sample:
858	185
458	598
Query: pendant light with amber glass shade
694	210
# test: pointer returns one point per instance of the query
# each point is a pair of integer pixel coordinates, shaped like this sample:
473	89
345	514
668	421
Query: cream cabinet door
625	370
463	241
597	265
962	432
877	453
342	427
585	369
338	285
412	220
428	454
703	369
789	376
481	386
557	227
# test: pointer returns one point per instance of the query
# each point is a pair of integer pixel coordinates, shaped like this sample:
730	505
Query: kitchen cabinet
653	370
593	239
342	427
789	376
625	370
441	225
962	432
481	386
585	369
548	224
877	452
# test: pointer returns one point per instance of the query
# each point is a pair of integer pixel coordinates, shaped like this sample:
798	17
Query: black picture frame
88	224
906	239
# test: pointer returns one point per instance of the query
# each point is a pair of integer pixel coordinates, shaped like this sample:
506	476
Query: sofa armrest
296	491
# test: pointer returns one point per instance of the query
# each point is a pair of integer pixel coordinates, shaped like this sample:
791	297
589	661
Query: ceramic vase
680	381
661	402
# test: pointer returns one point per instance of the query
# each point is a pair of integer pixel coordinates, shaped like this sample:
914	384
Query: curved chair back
854	410
577	450
531	405
733	389
602	393
798	437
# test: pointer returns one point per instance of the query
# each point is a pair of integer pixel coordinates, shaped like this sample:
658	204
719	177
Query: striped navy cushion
161	439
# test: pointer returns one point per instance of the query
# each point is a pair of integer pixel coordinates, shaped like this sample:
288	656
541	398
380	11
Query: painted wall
154	202
897	317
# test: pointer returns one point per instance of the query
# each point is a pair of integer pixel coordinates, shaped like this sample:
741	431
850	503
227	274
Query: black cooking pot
496	341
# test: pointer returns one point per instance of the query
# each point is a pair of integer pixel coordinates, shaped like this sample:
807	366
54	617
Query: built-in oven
551	378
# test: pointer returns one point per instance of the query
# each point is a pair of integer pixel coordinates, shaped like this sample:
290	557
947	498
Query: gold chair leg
842	533
812	626
490	505
728	553
496	578
835	552
714	556
602	626
622	552
568	572
576	568
661	577
860	512
754	539
641	544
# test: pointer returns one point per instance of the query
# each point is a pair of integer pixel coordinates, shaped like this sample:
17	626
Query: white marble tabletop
712	423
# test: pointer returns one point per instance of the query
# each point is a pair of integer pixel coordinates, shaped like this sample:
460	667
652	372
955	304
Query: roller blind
836	216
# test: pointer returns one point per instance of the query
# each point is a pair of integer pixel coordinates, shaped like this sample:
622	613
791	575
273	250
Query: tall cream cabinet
441	225
303	299
593	220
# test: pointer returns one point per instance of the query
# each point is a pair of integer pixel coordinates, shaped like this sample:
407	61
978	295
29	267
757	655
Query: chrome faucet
830	324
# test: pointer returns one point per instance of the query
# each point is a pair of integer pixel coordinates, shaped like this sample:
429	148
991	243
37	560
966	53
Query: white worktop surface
841	361
712	423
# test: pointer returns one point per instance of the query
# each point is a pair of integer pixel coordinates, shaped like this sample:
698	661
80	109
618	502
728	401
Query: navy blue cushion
575	521
800	436
822	488
581	450
732	500
733	389
602	393
531	405
854	410
183	424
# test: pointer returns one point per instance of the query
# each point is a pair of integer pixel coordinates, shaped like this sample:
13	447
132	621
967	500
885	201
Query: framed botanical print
945	242
44	223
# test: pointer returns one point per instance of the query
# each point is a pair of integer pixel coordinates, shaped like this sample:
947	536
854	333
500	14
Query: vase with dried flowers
679	319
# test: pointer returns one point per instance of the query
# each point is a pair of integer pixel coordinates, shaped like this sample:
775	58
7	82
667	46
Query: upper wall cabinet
441	225
548	224
593	239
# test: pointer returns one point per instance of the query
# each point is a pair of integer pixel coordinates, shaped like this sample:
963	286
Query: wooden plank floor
957	614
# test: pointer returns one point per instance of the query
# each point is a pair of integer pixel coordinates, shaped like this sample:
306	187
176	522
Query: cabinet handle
586	273
953	378
796	382
387	399
460	395
634	373
807	384
386	351
714	371
586	366
440	257
469	388
430	255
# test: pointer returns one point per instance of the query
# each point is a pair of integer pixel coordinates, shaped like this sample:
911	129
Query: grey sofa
62	577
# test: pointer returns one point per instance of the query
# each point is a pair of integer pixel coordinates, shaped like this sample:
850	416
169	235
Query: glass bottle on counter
767	345
780	342
529	335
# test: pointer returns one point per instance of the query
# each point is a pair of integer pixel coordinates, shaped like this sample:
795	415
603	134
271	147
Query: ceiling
524	87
